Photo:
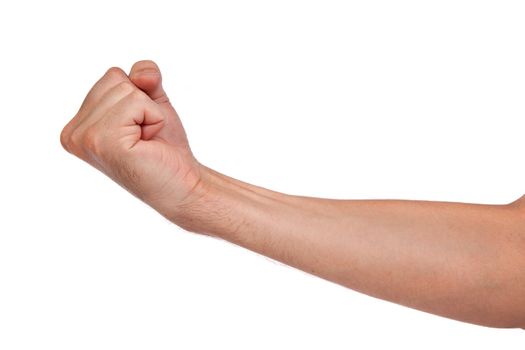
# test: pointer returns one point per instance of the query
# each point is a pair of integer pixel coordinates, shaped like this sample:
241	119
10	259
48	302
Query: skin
458	260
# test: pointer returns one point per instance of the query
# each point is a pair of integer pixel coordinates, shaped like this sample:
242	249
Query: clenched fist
127	128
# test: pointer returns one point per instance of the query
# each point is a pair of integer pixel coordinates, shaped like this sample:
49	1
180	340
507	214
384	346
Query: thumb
147	77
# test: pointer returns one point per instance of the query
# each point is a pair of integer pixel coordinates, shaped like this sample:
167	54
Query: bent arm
458	260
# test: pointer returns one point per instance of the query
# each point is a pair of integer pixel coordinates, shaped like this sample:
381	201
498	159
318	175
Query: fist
127	128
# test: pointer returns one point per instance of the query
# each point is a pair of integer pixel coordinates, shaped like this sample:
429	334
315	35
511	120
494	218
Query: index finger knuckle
115	73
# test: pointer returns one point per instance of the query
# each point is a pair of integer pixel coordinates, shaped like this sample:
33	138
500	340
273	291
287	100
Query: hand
127	128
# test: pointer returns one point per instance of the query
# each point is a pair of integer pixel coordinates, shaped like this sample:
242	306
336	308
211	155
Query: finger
110	79
138	113
106	102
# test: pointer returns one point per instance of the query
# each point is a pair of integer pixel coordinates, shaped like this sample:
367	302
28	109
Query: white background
362	99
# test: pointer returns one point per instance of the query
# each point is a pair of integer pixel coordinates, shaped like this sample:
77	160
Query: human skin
458	260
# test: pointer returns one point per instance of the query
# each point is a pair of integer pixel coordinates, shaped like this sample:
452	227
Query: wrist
222	206
207	207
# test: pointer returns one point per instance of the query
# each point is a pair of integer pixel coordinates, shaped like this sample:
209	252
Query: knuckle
91	140
74	140
115	73
65	138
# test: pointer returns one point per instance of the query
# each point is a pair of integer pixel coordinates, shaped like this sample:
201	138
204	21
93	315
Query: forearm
463	261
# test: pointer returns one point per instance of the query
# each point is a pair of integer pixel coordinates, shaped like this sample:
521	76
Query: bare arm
458	260
463	261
